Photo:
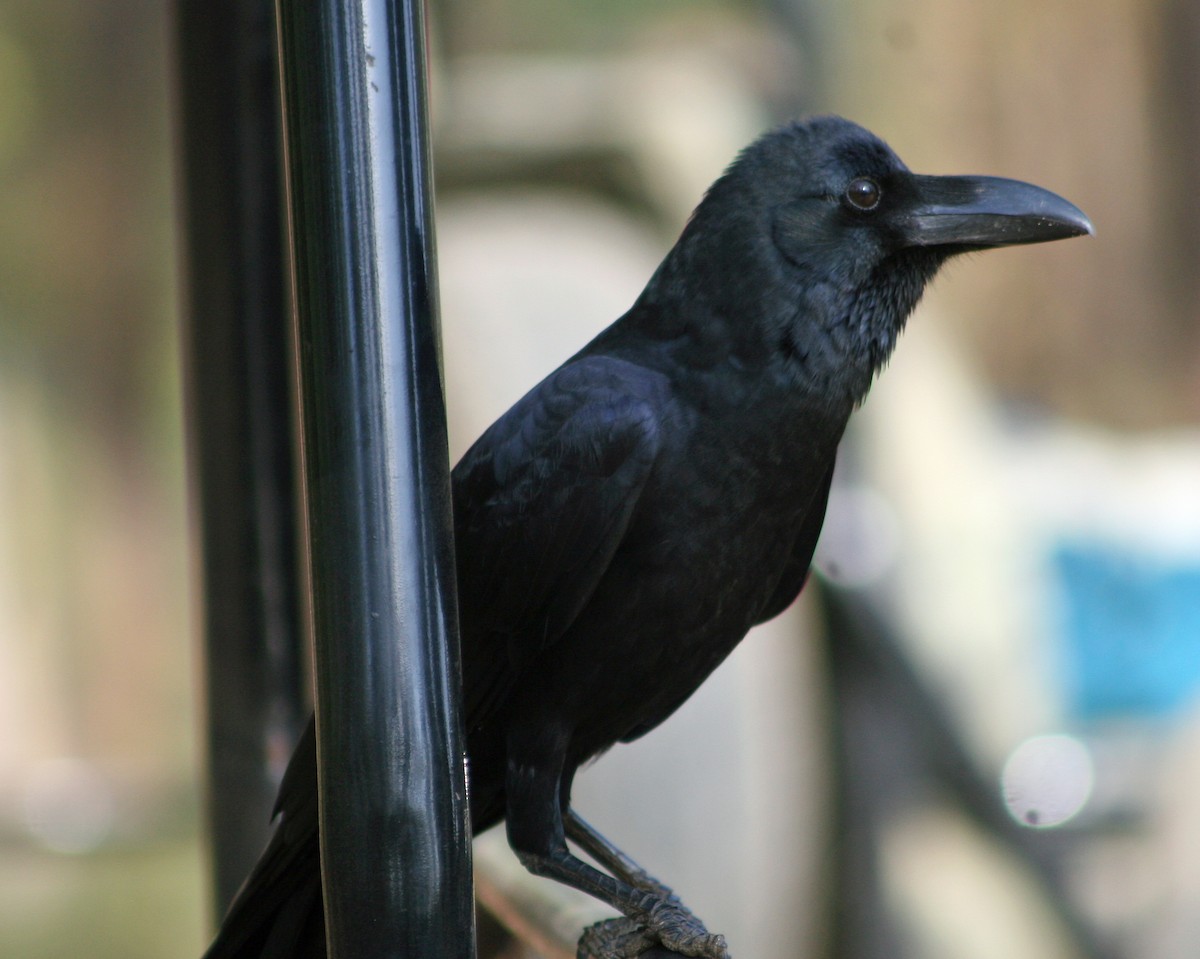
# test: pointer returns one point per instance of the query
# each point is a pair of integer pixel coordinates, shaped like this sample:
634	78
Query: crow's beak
985	211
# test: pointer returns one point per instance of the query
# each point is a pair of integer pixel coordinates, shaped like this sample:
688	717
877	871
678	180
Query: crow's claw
667	924
618	938
678	929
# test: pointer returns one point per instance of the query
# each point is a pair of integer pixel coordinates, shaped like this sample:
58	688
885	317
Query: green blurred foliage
131	904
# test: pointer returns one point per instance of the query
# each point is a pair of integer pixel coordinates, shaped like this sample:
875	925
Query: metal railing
238	373
374	476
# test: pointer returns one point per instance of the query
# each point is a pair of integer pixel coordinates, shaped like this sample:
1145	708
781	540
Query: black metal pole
394	828
235	339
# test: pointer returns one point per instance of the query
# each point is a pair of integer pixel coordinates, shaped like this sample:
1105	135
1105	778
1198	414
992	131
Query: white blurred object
527	278
677	115
1137	490
860	541
69	805
1048	779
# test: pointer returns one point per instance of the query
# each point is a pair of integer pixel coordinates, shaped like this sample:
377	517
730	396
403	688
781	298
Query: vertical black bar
394	835
235	339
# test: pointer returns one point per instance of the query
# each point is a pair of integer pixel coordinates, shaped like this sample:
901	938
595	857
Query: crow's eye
863	193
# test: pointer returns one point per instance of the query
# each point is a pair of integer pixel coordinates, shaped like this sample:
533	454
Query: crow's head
814	246
838	202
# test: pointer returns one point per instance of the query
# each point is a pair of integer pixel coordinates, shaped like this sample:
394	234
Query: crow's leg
536	834
584	835
619	936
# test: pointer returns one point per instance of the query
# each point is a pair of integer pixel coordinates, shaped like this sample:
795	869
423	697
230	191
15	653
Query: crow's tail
278	913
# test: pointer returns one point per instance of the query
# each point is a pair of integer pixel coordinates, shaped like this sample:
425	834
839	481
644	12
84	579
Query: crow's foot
677	928
667	924
618	938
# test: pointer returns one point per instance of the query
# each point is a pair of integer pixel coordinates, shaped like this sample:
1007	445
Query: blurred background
1017	503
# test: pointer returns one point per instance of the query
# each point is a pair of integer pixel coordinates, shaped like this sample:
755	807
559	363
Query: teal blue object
1130	631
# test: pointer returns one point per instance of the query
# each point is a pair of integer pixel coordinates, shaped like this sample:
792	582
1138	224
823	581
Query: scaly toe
619	938
678	929
667	923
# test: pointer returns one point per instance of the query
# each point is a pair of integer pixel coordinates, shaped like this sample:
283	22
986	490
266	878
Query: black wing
795	573
541	503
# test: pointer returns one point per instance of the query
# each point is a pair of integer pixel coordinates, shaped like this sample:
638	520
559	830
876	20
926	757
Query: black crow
621	528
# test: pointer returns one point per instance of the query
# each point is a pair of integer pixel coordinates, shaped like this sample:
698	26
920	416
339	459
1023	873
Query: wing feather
795	573
542	502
